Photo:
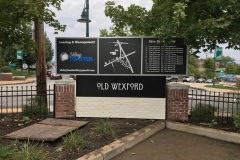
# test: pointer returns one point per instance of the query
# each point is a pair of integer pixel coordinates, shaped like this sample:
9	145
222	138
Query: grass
5	152
19	73
103	127
23	151
219	86
75	141
29	151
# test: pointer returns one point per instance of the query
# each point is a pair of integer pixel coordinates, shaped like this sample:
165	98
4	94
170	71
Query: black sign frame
121	56
121	86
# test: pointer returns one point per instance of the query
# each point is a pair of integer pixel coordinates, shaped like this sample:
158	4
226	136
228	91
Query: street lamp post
85	17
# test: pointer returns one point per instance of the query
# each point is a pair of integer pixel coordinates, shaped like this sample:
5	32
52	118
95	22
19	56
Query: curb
208	132
118	146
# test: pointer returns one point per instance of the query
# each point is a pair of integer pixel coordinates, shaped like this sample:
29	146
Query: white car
188	79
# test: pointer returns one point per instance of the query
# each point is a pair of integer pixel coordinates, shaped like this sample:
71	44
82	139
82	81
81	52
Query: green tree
48	49
237	69
202	23
16	16
208	65
225	60
230	69
193	71
113	32
192	60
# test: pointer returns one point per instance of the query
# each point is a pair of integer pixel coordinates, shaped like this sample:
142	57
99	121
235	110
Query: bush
203	113
75	141
236	121
6	69
105	128
36	106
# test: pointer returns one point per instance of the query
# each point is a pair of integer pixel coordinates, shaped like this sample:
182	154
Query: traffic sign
19	54
218	53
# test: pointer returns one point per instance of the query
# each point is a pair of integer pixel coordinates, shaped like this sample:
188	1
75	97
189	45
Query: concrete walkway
171	140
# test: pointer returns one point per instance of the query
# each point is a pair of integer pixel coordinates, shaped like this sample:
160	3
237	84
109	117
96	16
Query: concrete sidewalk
13	82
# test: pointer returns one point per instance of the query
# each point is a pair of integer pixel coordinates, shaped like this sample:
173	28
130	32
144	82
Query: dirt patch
122	127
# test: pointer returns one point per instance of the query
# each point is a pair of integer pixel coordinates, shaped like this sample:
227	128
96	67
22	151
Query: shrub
103	127
36	106
203	113
6	69
29	151
236	121
1	63
75	141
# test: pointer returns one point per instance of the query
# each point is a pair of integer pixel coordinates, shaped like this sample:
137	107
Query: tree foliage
208	65
48	49
192	60
202	23
17	15
192	71
225	60
230	69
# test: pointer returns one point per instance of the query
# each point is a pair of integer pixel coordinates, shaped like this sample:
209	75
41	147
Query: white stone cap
177	86
62	82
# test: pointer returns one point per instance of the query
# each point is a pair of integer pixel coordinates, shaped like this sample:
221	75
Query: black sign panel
76	55
121	86
164	59
115	56
119	55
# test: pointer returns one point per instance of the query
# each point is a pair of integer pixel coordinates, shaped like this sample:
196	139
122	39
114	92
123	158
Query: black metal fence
19	101
205	106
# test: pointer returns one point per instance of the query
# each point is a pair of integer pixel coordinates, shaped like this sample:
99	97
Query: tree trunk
40	57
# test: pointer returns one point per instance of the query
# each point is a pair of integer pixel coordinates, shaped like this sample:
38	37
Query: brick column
6	76
177	102
65	99
238	82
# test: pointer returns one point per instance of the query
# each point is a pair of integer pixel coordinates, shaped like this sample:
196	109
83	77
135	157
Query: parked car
172	78
54	76
48	73
73	77
209	81
188	79
200	80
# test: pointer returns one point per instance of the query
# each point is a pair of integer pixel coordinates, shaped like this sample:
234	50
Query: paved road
18	94
174	145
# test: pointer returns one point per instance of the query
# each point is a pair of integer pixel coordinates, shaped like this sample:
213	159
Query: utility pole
40	57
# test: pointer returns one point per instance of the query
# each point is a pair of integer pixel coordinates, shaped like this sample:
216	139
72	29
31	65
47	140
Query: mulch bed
122	127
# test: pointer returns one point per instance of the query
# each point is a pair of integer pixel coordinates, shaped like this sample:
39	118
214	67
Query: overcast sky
72	10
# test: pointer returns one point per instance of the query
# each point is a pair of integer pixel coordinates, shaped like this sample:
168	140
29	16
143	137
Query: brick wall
6	76
65	99
121	107
177	102
238	82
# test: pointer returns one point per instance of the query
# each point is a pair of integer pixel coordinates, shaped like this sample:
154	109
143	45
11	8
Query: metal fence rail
205	106
19	101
